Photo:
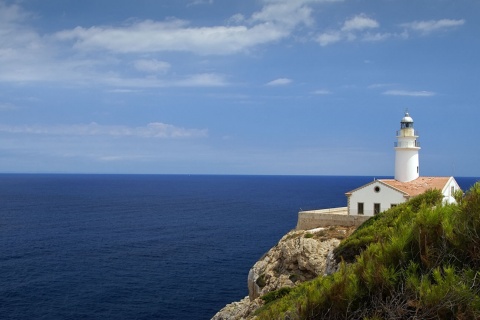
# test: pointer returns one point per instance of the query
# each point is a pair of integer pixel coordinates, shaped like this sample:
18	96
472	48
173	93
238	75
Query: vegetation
419	260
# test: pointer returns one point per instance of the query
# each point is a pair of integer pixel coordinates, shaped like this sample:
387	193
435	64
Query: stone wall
328	217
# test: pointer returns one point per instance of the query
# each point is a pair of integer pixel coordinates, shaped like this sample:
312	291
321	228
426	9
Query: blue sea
144	246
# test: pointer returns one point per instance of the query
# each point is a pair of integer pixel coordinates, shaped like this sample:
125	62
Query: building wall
369	195
447	190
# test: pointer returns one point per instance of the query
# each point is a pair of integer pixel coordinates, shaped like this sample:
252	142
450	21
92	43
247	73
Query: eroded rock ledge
299	256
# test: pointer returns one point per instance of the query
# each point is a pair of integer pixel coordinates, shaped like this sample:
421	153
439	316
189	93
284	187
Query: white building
380	195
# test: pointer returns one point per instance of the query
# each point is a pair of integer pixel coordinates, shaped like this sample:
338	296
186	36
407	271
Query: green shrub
419	260
274	295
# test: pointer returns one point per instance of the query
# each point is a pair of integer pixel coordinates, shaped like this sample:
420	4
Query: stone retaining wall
328	217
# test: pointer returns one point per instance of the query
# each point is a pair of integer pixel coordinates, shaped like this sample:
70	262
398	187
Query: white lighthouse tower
406	151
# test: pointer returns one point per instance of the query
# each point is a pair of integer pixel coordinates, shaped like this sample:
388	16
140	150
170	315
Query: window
452	190
393	205
376	189
376	208
360	208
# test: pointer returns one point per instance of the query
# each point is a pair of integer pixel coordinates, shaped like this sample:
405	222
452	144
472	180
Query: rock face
300	255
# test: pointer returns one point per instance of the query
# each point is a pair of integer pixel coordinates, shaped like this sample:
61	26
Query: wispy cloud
173	35
361	28
355	28
359	22
276	20
427	27
152	130
72	55
329	37
151	66
279	82
321	92
409	93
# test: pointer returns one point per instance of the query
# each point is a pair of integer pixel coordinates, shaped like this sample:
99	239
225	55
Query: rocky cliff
299	256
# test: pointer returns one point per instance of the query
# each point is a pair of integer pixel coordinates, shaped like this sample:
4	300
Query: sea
145	246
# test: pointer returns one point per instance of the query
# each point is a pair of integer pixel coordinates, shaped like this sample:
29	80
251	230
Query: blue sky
315	87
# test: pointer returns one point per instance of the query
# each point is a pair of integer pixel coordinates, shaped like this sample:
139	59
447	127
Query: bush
419	260
274	295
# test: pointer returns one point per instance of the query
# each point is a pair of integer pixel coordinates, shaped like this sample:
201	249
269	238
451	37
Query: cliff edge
299	256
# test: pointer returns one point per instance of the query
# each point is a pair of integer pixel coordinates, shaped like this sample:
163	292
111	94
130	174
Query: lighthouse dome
407	118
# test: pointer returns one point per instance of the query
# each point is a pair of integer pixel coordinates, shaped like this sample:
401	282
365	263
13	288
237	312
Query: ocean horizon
140	246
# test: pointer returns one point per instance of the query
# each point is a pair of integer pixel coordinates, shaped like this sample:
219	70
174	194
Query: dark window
360	208
376	208
393	205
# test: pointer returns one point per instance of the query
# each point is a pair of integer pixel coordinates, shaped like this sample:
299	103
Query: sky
287	87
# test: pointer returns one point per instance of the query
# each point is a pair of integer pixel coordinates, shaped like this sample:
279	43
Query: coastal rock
240	310
300	255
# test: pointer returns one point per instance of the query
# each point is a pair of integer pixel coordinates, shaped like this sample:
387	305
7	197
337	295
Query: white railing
407	144
340	210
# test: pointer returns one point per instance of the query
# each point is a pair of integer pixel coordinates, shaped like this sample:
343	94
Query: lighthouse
382	194
406	151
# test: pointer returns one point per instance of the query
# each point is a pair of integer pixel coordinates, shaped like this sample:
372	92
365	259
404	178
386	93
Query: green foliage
419	260
308	235
274	295
380	227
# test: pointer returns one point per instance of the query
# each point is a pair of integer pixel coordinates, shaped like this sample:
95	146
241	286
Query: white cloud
71	56
151	130
426	27
409	93
152	66
194	80
202	80
279	82
285	13
359	22
327	38
276	20
360	28
173	35
376	36
352	29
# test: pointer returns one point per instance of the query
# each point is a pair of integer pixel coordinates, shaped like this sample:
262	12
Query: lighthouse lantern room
406	151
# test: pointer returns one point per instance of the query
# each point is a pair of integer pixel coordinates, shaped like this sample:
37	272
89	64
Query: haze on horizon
309	87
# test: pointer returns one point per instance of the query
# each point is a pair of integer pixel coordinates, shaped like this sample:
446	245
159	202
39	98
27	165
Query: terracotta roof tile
419	185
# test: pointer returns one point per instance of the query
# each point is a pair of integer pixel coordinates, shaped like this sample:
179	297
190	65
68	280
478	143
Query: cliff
418	260
299	256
